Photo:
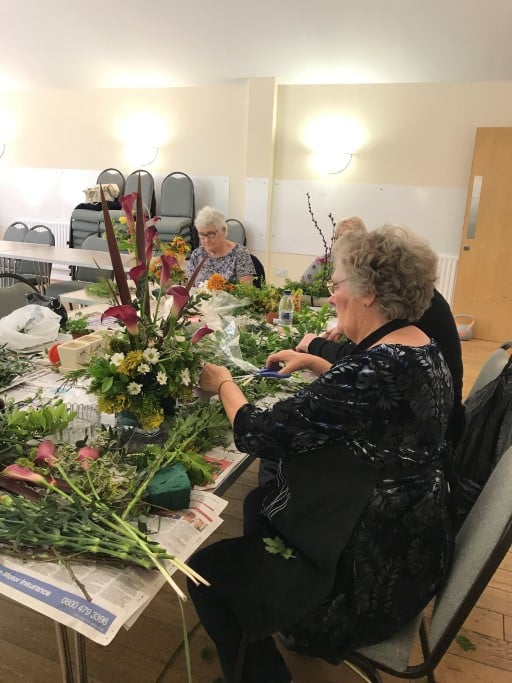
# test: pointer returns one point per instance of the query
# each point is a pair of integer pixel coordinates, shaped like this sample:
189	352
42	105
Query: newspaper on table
116	596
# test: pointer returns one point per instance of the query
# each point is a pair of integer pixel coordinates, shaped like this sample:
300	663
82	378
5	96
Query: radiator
446	276
61	233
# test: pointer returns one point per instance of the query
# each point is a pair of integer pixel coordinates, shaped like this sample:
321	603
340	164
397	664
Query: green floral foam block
170	488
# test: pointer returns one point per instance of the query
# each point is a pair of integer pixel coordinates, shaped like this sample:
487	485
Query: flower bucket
464	326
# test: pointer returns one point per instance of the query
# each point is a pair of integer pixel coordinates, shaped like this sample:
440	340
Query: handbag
35	297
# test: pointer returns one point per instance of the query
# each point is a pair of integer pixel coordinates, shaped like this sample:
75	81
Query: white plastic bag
29	326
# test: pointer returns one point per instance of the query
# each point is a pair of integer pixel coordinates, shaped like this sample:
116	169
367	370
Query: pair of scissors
275	374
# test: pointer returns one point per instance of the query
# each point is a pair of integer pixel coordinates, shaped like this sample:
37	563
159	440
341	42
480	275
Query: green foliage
464	643
77	323
103	288
264	300
12	365
276	546
19	427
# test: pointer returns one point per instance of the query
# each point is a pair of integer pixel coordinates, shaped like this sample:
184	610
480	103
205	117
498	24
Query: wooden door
484	275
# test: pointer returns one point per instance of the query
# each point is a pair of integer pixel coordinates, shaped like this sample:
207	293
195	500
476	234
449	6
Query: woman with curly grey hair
224	257
352	538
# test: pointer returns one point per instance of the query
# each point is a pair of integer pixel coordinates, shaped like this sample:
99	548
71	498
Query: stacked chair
177	209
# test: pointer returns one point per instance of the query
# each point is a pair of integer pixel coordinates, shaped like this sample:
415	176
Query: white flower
179	338
133	388
143	368
161	377
185	377
151	355
117	358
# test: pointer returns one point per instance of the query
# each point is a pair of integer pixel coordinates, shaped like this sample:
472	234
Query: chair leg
425	647
363	667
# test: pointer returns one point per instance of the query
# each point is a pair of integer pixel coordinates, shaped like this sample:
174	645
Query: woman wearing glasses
352	538
224	257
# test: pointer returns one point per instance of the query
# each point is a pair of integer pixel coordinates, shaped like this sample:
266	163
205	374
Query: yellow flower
122	219
130	363
112	404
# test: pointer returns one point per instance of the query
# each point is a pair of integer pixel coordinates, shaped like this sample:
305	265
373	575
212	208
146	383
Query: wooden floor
151	651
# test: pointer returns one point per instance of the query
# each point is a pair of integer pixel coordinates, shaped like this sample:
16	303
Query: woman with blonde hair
342	226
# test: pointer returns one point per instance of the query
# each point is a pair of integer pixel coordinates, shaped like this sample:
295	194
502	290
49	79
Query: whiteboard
436	213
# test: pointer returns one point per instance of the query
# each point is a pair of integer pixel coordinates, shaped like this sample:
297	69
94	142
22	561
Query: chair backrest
39	234
491	368
93	274
177	198
147	185
111	175
236	231
260	271
15	295
16	232
481	545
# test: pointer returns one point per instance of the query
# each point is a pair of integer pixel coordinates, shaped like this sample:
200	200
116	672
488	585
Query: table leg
65	655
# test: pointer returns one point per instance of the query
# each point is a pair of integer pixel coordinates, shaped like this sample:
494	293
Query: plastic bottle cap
288	291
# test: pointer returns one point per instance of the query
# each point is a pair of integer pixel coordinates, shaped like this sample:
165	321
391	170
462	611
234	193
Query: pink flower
23	474
46	453
199	334
86	454
179	300
126	314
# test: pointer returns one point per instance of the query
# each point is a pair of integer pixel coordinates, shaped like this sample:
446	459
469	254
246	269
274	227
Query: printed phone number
86	611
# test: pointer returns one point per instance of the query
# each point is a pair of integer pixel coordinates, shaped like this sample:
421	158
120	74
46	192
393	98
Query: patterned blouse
234	265
387	409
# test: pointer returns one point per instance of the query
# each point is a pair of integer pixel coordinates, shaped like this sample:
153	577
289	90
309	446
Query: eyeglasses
332	287
207	235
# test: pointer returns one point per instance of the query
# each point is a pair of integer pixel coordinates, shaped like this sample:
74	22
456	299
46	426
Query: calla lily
127	202
87	454
137	272
23	474
199	334
150	233
180	298
168	262
126	314
46	453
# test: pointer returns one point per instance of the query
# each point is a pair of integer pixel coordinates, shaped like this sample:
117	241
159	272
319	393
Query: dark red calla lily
180	297
137	272
168	263
127	202
150	234
199	334
126	314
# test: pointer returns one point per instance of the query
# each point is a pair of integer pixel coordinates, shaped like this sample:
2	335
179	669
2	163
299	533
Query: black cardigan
438	323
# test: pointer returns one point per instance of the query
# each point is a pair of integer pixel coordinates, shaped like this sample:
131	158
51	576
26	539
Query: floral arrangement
124	235
155	359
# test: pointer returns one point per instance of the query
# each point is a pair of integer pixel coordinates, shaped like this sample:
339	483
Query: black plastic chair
260	271
481	545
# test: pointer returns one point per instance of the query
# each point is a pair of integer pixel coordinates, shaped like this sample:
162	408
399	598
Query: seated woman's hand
306	340
211	376
288	361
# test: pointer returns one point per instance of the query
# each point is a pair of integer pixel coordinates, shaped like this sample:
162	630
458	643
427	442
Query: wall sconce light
140	154
331	161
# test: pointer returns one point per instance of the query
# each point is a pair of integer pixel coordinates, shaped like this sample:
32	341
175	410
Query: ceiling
165	43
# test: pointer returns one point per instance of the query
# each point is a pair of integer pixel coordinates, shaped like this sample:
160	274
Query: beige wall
413	134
